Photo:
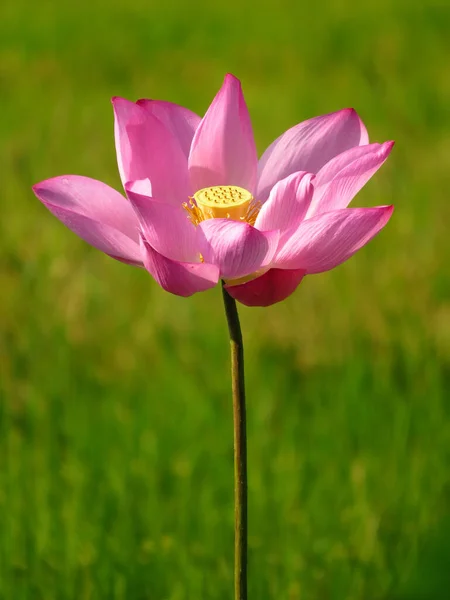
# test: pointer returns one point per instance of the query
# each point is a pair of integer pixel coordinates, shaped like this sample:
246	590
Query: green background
116	476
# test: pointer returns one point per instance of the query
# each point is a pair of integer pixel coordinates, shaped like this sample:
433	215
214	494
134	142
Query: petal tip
348	112
386	213
387	209
351	113
231	79
119	102
46	183
116	100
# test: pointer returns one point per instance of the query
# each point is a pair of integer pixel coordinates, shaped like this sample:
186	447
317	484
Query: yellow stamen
195	214
222	202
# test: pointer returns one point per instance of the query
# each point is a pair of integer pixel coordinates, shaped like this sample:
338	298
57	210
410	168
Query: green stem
240	447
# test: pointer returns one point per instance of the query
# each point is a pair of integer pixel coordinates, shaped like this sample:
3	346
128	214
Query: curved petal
339	181
327	240
107	239
180	121
237	248
272	287
140	186
147	149
95	212
179	278
165	227
287	204
223	150
308	146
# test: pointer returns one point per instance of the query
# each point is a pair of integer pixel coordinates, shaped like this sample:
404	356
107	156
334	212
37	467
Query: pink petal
140	186
237	248
287	204
180	278
308	146
180	121
95	212
147	149
339	181
165	227
272	287
223	149
327	240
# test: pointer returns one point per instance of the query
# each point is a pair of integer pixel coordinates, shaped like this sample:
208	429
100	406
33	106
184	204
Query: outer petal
327	240
308	146
223	149
165	227
287	204
339	181
180	121
272	287
147	149
180	278
95	212
237	248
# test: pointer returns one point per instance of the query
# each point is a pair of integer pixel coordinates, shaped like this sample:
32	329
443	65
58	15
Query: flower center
222	202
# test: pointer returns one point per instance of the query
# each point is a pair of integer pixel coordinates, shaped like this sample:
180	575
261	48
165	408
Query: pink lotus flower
200	206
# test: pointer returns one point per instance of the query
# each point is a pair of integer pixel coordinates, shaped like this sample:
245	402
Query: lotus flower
200	207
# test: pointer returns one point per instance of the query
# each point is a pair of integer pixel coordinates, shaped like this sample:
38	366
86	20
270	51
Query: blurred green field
115	412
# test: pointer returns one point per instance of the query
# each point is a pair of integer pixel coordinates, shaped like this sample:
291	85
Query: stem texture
240	447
